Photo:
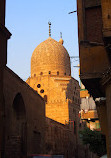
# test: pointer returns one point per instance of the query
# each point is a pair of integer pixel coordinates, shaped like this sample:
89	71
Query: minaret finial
60	34
49	28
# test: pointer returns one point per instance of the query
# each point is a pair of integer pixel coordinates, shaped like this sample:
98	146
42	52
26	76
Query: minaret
4	36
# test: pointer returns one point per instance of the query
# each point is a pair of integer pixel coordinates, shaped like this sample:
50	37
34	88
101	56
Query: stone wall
24	116
60	139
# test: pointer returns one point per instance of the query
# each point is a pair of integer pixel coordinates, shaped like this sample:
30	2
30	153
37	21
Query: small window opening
42	91
80	125
57	72
49	72
34	75
74	127
38	85
65	73
41	73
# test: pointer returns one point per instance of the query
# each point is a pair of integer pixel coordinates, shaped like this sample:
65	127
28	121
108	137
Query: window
73	98
34	75
38	86
57	72
49	72
41	73
65	73
80	125
74	127
42	91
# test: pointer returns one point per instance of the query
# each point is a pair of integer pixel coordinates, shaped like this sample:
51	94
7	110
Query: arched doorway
18	129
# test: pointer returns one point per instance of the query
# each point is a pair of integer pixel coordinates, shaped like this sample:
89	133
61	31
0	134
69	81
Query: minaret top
49	28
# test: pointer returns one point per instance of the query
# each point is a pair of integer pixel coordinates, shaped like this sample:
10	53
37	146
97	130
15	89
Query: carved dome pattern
50	55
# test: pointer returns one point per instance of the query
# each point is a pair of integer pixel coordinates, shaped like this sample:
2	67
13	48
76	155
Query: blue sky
27	20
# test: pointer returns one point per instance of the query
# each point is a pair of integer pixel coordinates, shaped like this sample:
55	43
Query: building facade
94	28
51	78
88	110
24	123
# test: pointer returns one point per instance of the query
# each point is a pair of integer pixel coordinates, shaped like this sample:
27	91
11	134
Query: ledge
5	31
89	43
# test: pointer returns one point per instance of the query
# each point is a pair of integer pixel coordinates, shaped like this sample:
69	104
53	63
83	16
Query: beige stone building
51	78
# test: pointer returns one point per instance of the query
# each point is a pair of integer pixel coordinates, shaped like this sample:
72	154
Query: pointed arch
19	124
19	106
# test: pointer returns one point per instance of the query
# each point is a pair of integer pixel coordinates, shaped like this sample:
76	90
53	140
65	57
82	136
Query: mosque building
51	78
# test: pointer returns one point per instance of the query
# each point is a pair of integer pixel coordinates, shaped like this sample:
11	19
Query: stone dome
50	57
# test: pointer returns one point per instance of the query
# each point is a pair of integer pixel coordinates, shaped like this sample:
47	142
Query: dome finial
61	40
49	28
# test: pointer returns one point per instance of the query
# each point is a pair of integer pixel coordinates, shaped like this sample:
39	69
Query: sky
27	20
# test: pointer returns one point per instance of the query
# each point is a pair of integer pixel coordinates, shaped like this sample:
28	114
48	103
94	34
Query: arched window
57	72
45	98
41	73
49	72
34	75
38	86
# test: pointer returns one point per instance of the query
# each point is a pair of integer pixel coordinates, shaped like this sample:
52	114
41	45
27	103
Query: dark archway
18	129
19	107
